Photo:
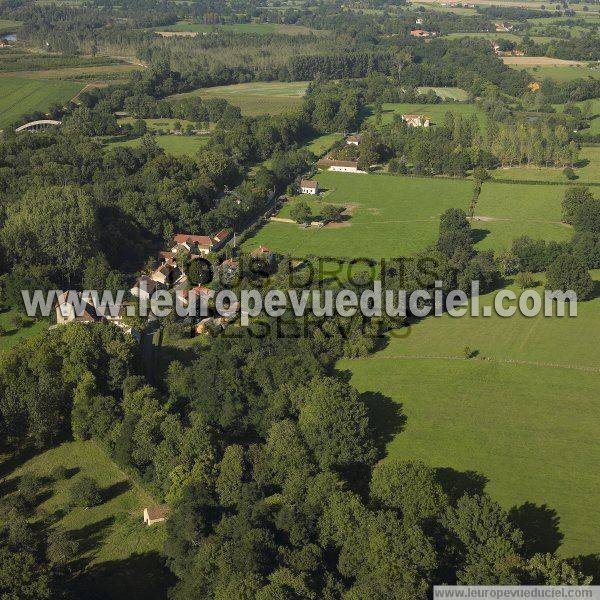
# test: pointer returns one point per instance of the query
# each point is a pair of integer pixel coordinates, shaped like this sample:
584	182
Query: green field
435	111
528	427
256	98
158	124
594	115
177	145
12	336
511	37
322	144
559	72
389	216
588	170
508	211
256	28
121	557
396	216
21	96
9	26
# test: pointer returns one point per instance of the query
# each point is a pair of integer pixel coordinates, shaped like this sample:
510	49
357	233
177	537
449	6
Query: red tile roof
201	240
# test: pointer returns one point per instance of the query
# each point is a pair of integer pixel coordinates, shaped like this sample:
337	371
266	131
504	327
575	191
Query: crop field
435	111
520	419
386	216
256	28
177	145
506	211
20	60
119	554
256	98
587	170
21	96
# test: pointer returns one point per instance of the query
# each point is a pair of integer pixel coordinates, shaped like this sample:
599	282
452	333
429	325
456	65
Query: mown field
322	144
256	98
435	112
506	211
587	170
121	558
453	93
395	216
521	417
256	28
177	145
21	96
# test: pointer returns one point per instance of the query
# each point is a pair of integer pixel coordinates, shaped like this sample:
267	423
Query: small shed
156	514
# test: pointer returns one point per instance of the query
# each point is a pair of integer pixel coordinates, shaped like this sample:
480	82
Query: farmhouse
308	186
354	139
144	287
156	514
200	244
261	251
342	166
416	120
502	27
73	306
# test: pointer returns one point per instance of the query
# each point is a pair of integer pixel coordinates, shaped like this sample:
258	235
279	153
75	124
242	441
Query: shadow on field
89	536
115	490
479	234
458	483
142	576
540	527
386	417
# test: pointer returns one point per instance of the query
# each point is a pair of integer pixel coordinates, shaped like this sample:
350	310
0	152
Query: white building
342	166
308	186
416	120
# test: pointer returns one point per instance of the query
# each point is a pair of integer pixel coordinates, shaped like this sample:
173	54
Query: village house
167	274
144	287
416	120
354	139
342	166
200	244
419	21
198	292
73	306
502	27
308	186
156	514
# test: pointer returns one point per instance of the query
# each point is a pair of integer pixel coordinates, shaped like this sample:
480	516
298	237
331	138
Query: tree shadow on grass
540	527
458	483
90	535
115	490
16	459
385	416
144	576
477	235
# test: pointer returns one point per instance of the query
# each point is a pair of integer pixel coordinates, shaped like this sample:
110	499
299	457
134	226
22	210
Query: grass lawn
21	96
322	144
508	211
118	553
559	73
13	336
256	98
529	428
256	28
389	216
588	172
177	145
435	111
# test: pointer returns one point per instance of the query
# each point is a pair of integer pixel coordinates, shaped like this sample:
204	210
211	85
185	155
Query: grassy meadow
21	96
119	557
12	336
390	216
559	72
323	143
452	93
177	145
522	415
256	98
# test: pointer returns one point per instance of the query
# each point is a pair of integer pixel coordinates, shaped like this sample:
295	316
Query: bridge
38	125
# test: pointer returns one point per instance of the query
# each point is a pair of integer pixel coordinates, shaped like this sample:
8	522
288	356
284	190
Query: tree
574	198
331	212
569	272
85	492
62	548
30	485
480	174
231	475
569	173
22	578
525	279
335	424
549	569
301	213
410	487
